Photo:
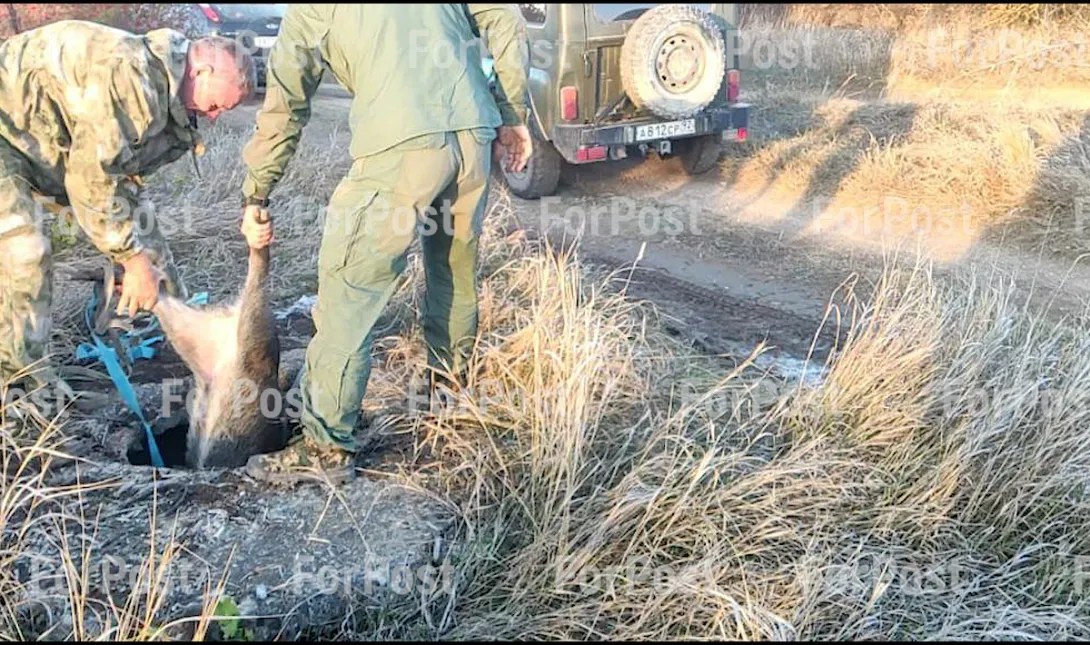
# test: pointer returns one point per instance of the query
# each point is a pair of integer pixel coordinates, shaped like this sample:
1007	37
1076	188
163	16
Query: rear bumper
569	139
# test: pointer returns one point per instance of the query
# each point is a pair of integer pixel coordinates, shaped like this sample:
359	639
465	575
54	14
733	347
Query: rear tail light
742	134
593	153
209	12
733	85
569	103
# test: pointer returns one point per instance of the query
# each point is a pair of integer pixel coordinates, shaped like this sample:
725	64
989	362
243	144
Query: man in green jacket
424	123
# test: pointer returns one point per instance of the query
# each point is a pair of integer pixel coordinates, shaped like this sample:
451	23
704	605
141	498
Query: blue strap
124	388
145	349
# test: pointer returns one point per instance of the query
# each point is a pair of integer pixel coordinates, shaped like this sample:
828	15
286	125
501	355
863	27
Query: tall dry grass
1035	54
934	485
609	484
969	166
907	16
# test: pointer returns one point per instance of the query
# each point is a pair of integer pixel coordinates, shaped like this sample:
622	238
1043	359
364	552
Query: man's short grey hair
244	60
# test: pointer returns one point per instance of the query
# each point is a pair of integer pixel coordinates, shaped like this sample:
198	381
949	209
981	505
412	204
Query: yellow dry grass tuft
882	116
933	484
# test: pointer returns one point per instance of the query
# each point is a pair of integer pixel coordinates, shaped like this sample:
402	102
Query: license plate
665	130
265	42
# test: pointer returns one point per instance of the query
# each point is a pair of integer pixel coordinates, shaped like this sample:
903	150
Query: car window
534	13
250	11
622	12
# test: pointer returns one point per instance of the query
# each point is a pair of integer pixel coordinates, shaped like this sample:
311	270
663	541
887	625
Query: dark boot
442	391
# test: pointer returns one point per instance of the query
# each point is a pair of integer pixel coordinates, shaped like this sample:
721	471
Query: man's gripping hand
140	286
257	227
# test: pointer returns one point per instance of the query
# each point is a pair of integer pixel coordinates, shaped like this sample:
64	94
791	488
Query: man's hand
140	286
516	142
257	227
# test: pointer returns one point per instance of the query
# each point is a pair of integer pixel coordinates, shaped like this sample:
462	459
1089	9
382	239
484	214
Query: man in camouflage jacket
86	111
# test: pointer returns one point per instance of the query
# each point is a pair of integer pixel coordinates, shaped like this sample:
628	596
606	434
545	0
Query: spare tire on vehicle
673	61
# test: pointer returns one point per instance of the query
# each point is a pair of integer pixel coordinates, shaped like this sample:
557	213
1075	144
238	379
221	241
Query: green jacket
412	69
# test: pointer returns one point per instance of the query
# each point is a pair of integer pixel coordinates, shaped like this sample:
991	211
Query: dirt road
737	278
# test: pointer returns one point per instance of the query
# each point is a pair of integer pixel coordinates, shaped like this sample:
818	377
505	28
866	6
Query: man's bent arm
508	43
293	74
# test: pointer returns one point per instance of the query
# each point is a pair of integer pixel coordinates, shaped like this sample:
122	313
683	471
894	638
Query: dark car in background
256	26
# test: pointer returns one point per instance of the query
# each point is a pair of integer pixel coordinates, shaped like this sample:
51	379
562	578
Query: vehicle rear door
607	25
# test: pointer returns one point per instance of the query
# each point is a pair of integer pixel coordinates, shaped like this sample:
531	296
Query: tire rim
520	176
679	61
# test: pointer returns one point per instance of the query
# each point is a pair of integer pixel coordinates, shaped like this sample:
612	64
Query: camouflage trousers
26	273
434	186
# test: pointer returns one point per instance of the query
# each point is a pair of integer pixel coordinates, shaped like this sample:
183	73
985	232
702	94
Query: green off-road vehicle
609	80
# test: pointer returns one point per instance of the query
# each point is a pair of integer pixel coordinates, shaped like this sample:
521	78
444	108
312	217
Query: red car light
733	85
569	103
209	12
593	153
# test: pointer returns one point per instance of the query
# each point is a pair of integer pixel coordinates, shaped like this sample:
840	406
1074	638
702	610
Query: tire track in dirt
725	294
734	282
719	324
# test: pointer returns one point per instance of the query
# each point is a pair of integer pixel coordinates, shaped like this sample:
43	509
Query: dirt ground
727	283
297	560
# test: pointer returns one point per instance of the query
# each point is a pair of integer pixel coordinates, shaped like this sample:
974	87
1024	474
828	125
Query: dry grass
933	486
937	51
947	438
877	117
813	60
583	468
1000	162
899	17
50	585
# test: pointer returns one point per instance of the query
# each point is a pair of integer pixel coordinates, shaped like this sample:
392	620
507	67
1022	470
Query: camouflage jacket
413	69
93	109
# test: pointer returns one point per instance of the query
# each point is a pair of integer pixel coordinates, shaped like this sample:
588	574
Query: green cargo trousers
436	185
26	273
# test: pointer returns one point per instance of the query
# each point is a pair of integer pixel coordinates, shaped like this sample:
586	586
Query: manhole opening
170	437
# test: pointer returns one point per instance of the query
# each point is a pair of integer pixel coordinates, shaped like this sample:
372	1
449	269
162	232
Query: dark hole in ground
171	432
170	435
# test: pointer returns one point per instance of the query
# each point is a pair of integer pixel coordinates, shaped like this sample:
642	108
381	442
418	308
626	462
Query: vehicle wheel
673	61
541	175
699	154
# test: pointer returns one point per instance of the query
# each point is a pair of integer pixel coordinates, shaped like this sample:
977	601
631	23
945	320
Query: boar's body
234	354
